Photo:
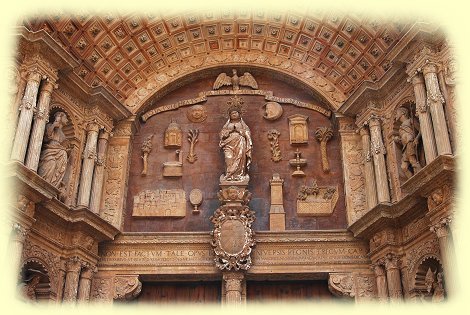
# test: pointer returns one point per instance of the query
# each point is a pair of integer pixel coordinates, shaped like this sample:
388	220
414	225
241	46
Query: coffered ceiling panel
121	52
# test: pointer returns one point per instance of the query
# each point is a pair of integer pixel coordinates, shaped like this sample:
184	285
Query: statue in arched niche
236	143
408	137
53	159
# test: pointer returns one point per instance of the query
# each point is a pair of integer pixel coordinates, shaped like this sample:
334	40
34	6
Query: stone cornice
388	215
434	175
29	183
40	42
35	188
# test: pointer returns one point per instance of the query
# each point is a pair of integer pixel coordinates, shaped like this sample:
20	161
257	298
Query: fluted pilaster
378	154
435	100
98	176
40	120
28	103
89	157
424	116
370	184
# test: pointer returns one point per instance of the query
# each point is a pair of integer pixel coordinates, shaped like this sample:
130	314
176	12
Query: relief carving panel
160	203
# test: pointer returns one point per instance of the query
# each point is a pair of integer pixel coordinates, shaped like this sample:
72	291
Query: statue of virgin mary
236	143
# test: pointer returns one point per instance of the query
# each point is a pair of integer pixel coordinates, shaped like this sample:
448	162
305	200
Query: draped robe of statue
53	159
236	143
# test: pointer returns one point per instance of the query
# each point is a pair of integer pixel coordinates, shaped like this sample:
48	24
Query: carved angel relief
235	81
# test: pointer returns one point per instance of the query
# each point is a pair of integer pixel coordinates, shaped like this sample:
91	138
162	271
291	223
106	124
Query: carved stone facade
314	150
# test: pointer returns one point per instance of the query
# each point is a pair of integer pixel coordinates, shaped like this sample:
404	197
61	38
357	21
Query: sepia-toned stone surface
317	193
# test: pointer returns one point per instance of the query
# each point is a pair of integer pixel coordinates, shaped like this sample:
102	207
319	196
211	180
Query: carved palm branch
192	138
323	135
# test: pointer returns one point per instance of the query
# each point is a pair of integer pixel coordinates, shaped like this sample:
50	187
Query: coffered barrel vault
233	156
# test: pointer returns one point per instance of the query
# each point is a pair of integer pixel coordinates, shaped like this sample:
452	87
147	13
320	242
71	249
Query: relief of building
311	151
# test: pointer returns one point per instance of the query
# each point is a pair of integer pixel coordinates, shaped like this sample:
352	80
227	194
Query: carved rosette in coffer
232	235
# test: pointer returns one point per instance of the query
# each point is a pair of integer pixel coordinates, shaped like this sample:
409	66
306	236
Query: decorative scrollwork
233	237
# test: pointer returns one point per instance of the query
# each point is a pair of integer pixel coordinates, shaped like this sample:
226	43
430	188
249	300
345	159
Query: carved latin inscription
160	203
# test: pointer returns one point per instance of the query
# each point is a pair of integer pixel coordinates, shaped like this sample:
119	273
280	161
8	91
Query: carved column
435	101
17	243
41	116
426	129
89	156
393	277
233	288
277	215
84	285
97	185
382	291
73	267
378	153
370	185
61	280
446	249
28	103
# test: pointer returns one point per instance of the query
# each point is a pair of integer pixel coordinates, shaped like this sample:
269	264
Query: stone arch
49	261
36	267
173	77
431	261
70	130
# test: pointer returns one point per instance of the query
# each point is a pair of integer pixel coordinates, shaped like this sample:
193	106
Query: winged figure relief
235	81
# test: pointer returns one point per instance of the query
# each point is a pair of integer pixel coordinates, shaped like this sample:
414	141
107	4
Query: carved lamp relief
298	130
146	149
323	135
173	136
174	168
160	203
316	201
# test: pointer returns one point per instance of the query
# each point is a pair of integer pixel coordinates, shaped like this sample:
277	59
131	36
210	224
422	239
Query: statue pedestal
232	233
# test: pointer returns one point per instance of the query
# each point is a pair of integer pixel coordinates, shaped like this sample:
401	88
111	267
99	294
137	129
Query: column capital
363	130
378	269
429	67
233	280
392	261
34	75
92	127
441	228
104	134
416	79
73	264
19	231
88	271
